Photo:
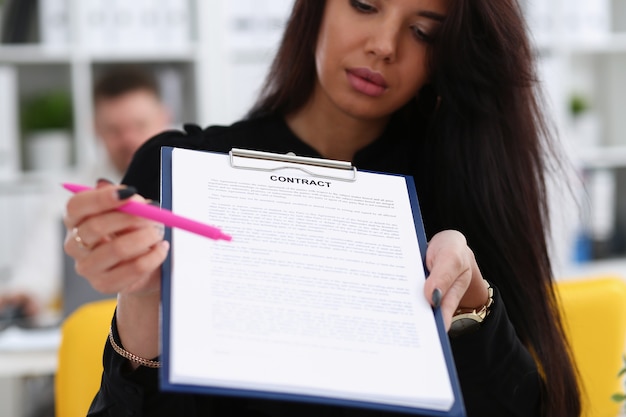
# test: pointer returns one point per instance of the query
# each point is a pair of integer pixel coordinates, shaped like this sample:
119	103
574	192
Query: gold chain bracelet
130	356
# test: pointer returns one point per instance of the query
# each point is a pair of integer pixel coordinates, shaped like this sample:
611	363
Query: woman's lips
366	81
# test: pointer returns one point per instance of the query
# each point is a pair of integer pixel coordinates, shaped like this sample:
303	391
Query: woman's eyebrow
431	15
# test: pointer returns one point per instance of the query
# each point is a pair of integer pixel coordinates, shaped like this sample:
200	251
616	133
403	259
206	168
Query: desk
23	355
615	266
18	364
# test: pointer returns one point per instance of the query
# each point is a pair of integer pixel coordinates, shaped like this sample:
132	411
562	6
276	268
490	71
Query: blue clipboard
345	173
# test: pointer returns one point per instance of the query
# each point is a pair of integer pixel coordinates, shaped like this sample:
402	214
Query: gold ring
79	241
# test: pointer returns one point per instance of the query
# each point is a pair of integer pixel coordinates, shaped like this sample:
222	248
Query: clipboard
267	161
315	170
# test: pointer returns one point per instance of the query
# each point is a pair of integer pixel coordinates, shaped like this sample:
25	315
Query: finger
450	302
454	260
450	270
137	275
450	278
476	294
74	245
151	282
91	202
101	182
120	248
98	229
450	262
81	239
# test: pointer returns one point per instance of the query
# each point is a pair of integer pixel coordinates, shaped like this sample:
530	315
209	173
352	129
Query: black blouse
498	375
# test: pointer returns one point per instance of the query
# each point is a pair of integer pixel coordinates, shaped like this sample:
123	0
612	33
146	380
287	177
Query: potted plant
46	121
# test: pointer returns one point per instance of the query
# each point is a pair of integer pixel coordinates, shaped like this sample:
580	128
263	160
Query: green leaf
48	110
578	104
617	397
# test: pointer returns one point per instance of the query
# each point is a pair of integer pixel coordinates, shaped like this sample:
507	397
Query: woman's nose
383	42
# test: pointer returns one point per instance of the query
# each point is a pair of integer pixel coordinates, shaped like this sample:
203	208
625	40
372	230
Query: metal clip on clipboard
316	167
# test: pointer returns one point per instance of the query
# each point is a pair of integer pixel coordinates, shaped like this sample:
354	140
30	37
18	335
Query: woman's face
371	54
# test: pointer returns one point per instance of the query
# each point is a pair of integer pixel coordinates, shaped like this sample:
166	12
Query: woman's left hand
454	273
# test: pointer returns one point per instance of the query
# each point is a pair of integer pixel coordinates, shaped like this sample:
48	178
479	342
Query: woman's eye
362	7
421	35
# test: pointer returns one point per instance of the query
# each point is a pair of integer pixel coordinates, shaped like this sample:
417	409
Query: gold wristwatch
468	320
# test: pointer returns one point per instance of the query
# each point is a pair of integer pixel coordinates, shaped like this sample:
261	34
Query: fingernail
436	298
104	180
125	193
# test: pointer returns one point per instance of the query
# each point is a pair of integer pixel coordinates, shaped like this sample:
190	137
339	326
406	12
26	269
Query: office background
210	58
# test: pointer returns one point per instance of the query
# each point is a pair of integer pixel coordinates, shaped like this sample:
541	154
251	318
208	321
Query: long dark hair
486	145
292	75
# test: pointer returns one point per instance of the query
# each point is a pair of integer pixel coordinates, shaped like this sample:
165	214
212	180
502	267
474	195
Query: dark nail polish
100	180
436	298
125	193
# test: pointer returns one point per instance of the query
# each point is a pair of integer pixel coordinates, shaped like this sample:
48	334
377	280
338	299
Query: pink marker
161	215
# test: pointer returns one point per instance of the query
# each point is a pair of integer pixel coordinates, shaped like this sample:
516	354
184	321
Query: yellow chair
79	370
594	312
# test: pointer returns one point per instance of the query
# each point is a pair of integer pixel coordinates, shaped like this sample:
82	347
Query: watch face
464	325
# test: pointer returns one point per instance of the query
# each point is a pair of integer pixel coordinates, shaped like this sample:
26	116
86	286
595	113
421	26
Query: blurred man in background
127	111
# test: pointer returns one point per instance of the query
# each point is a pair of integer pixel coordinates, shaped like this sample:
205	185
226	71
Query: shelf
33	54
613	43
602	157
41	55
150	54
242	56
609	44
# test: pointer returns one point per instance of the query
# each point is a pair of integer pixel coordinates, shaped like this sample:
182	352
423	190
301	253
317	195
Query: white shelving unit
582	49
587	62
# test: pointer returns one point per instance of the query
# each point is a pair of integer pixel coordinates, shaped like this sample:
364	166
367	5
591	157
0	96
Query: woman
443	91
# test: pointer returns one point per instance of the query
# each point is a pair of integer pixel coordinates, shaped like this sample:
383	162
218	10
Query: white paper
320	292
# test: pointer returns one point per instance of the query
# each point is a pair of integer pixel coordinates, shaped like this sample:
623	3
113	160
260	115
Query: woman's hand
455	280
114	251
119	253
